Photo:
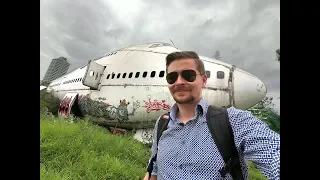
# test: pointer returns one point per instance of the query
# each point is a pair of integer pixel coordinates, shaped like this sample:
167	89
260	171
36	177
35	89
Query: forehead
181	64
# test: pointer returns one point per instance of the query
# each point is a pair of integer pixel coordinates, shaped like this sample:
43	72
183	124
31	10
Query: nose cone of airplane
248	89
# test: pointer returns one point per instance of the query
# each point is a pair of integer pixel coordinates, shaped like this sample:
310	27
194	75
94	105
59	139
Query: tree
278	54
264	111
217	55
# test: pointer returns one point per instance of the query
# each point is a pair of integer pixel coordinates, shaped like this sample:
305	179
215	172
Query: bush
48	103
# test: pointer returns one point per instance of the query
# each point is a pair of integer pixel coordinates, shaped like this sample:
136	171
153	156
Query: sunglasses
188	75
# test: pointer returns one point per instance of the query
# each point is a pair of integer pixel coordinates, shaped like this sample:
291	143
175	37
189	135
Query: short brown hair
185	55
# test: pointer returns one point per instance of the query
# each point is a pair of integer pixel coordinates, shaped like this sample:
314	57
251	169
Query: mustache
181	88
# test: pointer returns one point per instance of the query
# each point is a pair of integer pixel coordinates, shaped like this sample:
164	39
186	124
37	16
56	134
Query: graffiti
156	105
108	111
64	106
135	106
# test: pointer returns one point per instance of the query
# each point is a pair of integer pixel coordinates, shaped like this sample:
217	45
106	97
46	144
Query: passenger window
130	75
220	74
118	75
124	75
154	45
208	74
113	75
137	74
153	73
145	74
108	76
161	74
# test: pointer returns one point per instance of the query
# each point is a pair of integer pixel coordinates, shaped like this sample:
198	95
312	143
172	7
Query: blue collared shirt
189	152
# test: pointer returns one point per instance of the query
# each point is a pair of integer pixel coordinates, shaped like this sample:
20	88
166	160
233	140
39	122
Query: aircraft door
93	75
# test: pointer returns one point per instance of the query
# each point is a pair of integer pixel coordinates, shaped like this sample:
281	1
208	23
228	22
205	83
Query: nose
180	80
248	89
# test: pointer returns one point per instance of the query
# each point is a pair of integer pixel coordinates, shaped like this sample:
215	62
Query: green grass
254	173
81	150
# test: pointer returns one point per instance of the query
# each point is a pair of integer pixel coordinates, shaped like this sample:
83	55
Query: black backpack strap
221	131
162	125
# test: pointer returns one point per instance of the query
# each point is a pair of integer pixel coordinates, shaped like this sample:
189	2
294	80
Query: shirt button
183	142
180	166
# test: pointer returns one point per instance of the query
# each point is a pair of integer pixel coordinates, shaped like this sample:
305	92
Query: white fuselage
144	92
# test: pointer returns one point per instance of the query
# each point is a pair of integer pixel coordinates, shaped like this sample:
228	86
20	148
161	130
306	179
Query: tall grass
82	150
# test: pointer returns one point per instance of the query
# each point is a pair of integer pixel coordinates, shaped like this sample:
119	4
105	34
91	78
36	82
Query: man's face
183	91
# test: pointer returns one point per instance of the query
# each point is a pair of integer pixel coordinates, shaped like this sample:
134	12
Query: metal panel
93	75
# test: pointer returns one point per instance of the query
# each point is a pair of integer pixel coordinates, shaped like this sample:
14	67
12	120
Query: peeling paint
260	87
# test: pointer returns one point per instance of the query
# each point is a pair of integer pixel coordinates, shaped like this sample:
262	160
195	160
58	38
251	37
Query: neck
186	111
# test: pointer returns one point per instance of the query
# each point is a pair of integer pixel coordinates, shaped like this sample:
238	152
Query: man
186	149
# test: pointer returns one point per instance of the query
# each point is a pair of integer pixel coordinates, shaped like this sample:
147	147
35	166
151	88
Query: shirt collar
201	108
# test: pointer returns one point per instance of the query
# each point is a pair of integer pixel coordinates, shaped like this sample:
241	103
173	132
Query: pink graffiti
64	105
156	105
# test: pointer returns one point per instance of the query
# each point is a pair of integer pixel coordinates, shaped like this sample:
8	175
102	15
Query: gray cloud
246	32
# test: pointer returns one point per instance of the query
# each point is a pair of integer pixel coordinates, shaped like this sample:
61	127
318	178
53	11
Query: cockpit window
154	45
159	45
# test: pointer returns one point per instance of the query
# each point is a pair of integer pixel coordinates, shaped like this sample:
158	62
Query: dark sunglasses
189	75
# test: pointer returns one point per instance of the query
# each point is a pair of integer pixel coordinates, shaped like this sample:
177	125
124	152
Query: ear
204	81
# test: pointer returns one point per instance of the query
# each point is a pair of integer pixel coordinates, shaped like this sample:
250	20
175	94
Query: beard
184	99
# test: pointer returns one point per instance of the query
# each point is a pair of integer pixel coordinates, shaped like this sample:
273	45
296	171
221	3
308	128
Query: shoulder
238	113
160	119
244	119
239	117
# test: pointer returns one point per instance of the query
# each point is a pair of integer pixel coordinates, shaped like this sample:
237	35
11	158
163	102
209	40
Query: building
57	68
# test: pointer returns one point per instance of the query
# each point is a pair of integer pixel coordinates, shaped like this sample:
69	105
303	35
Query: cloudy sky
246	32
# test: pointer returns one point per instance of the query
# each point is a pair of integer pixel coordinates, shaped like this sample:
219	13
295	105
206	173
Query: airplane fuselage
131	92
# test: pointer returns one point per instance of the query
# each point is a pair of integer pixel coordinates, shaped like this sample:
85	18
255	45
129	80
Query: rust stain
230	86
